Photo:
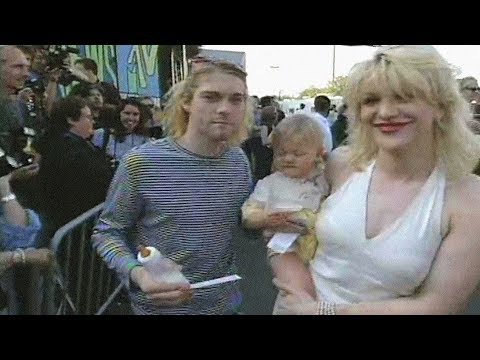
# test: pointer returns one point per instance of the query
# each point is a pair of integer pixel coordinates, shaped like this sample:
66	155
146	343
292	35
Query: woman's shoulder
462	201
465	190
338	167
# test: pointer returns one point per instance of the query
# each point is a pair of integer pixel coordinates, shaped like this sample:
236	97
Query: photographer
88	69
103	114
50	69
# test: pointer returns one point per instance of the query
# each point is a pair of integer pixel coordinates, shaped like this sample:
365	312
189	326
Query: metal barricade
82	283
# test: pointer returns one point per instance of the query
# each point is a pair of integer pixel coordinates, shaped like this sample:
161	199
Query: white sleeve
262	190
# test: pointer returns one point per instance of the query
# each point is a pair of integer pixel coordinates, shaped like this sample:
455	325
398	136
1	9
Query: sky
289	69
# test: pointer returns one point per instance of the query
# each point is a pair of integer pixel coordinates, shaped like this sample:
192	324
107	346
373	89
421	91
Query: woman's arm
338	168
13	212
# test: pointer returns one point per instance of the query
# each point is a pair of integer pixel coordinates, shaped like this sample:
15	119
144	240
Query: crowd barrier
82	284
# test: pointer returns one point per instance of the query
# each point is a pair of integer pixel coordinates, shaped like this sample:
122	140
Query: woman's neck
406	165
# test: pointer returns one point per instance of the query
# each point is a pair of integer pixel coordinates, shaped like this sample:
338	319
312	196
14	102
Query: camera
37	85
56	58
22	152
7	164
57	54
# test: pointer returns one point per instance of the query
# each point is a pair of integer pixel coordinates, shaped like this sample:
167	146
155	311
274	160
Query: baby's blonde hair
298	126
415	72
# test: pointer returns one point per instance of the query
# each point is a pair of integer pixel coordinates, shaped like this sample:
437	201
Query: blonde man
183	195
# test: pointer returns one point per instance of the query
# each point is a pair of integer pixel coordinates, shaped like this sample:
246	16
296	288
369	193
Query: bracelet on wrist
19	257
9	197
326	308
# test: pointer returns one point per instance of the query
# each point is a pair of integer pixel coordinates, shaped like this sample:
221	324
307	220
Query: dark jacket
74	177
111	95
339	130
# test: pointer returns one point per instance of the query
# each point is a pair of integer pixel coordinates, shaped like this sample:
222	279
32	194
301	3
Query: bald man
14	71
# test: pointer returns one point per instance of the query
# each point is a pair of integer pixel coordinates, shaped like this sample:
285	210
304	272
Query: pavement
257	289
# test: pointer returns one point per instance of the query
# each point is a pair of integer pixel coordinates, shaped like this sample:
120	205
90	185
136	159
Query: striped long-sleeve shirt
183	204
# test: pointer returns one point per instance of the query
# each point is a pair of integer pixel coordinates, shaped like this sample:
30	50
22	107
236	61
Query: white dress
353	269
280	192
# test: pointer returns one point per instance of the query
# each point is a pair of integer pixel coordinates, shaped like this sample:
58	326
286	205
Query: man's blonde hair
415	72
175	116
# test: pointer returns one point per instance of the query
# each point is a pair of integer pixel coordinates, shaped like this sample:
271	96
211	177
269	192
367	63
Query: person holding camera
86	70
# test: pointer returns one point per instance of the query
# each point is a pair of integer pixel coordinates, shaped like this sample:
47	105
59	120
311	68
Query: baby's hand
285	222
278	218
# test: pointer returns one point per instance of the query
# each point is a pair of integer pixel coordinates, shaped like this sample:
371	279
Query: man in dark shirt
90	69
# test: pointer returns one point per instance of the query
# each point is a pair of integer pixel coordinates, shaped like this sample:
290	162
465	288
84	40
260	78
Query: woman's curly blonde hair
414	72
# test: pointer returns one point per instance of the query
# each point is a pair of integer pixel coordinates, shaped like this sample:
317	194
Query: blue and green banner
133	69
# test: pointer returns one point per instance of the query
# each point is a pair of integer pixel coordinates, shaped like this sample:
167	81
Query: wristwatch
8	198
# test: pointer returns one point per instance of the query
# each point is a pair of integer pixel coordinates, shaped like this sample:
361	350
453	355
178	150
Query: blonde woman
401	226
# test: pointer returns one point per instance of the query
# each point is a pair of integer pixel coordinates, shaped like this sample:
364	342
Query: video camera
56	58
37	86
57	54
7	164
22	151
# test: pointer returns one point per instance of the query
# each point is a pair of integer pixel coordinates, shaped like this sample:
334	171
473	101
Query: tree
311	92
336	87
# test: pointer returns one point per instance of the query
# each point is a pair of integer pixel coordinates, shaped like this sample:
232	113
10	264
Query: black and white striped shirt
186	206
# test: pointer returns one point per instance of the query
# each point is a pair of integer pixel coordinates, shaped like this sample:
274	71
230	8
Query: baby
287	200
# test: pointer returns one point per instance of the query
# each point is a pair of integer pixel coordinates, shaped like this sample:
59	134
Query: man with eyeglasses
469	89
471	92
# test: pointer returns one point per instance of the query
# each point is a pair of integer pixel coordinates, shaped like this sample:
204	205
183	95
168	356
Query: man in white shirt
322	108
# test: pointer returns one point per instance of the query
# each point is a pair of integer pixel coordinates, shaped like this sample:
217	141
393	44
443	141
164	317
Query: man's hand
26	95
24	173
5	185
80	75
54	74
161	294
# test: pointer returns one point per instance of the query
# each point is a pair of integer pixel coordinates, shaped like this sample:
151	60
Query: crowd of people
373	212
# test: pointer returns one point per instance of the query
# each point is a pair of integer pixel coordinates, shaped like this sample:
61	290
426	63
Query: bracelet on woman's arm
326	308
19	257
9	197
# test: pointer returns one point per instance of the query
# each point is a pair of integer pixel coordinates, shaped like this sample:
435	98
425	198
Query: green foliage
311	92
335	87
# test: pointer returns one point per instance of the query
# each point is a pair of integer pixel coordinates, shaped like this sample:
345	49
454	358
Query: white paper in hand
215	281
281	242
